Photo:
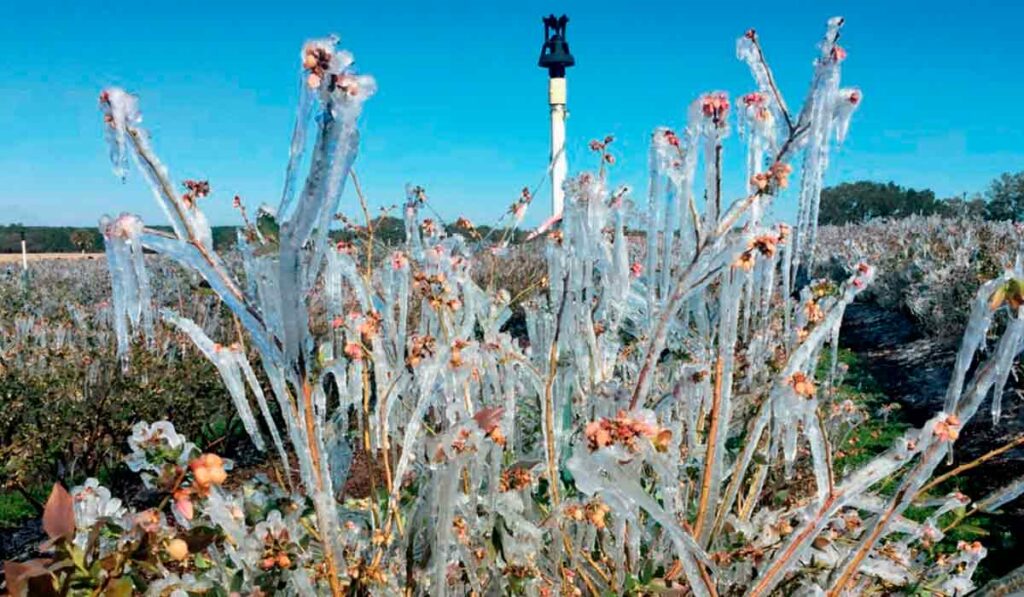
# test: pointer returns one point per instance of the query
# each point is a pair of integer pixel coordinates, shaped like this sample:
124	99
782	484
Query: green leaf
973	530
647	572
121	587
78	557
201	562
236	582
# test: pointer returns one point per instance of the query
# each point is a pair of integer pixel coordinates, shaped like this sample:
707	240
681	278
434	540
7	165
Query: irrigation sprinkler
555	56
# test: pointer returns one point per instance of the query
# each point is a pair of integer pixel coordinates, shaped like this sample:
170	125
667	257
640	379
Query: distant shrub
66	402
929	268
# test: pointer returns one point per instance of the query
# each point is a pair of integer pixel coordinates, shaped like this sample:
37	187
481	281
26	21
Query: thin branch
771	83
370	228
710	447
549	401
1017	441
144	154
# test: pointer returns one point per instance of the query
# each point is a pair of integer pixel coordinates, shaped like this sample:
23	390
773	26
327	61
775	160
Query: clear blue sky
461	107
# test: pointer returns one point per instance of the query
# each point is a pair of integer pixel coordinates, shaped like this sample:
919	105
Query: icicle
189	256
444	501
315	49
131	291
652	226
978	322
818	116
121	109
728	313
268	419
759	120
226	359
710	115
847	102
414	197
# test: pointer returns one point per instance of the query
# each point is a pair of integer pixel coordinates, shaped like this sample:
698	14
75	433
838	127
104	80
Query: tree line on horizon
854	202
848	202
388	230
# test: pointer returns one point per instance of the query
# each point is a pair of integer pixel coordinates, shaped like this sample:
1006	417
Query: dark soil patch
18	542
914	370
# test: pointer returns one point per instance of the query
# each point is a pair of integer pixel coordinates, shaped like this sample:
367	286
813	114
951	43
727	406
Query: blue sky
461	107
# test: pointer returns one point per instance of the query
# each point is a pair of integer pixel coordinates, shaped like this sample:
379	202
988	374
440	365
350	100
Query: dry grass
6	258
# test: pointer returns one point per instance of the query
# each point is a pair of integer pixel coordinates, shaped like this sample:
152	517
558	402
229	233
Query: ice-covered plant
632	441
929	267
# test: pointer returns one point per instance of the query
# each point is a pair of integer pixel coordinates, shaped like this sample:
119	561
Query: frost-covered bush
635	441
928	267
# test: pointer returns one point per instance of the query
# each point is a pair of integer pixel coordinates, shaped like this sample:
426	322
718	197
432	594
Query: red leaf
59	515
489	418
20	577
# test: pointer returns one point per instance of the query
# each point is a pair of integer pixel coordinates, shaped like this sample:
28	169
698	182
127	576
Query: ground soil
914	370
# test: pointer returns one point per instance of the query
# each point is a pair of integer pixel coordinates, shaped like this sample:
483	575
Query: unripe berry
217	475
202	475
177	549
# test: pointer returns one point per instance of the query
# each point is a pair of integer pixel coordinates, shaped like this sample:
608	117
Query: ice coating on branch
758	122
978	323
120	109
847	102
605	473
1001	496
671	208
768	99
818	117
228	360
131	291
123	119
709	117
339	94
327	80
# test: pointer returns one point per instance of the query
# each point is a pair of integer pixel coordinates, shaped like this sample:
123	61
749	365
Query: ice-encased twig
131	291
601	473
721	406
225	358
192	257
123	117
1001	496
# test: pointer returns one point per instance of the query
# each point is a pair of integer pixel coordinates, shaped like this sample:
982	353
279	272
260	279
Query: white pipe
559	165
24	256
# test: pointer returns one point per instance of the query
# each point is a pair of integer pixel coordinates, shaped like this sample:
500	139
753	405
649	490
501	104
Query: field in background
6	258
